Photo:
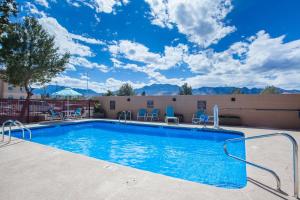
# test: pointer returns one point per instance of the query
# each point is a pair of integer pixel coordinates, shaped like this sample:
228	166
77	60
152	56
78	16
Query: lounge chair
154	115
200	117
77	113
142	113
170	115
54	114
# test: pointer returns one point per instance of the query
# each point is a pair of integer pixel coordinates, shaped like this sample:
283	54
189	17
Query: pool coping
133	123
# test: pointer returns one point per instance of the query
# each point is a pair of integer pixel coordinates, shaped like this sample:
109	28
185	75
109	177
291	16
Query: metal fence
38	110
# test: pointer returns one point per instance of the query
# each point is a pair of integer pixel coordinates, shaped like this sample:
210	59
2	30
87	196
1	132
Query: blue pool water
190	154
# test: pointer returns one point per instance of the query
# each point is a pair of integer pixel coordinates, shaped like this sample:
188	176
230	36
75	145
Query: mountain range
166	89
48	90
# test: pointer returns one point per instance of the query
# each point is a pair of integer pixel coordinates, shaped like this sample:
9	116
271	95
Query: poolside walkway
33	171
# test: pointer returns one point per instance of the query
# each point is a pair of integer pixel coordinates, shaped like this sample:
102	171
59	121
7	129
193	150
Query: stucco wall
15	92
273	111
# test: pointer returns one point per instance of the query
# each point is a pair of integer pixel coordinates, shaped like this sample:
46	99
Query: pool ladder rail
17	123
125	113
274	174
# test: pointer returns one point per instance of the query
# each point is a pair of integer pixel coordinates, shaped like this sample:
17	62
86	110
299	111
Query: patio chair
77	113
200	117
142	113
170	115
154	115
54	115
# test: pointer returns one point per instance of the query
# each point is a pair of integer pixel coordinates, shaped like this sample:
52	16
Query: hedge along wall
272	111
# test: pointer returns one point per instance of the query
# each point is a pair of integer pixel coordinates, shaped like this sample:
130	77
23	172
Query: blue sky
250	43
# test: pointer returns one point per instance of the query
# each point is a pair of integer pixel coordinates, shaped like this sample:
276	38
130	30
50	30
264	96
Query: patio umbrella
67	92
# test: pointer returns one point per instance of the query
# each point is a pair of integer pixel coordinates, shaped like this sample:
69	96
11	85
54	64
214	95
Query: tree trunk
24	117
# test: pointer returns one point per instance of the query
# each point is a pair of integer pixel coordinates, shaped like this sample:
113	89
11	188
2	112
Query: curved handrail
16	123
125	113
9	131
295	159
21	125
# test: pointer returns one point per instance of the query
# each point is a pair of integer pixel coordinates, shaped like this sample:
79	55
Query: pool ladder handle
15	123
295	160
125	112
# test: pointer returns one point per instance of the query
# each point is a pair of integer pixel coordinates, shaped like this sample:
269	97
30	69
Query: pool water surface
190	154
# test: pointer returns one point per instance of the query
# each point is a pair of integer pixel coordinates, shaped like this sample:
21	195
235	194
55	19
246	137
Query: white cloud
148	62
33	10
43	3
201	20
139	53
72	43
106	6
67	41
110	83
256	62
83	62
266	53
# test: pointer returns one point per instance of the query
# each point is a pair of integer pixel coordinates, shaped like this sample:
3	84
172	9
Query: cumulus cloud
106	6
43	3
202	21
255	62
76	45
266	53
83	62
109	84
146	61
31	8
139	53
67	41
259	61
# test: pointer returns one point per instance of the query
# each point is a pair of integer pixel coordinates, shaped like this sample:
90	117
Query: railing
15	123
125	113
295	159
37	110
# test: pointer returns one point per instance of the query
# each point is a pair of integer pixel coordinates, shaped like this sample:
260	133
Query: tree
270	90
185	89
30	56
108	93
126	90
8	8
143	93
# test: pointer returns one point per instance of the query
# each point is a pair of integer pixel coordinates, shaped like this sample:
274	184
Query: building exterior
272	110
8	91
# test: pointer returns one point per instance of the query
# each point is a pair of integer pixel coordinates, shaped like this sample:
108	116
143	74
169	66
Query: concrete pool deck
34	171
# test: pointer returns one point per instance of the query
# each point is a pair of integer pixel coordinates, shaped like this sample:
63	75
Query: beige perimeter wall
273	111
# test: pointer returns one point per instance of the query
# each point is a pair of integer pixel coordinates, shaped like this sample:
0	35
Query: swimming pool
191	154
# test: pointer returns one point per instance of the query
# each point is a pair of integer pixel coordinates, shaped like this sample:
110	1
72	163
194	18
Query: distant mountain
225	90
165	89
168	89
159	89
50	89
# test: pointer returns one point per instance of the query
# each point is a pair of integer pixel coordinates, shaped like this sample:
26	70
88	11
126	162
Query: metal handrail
15	123
125	115
23	127
295	159
9	131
